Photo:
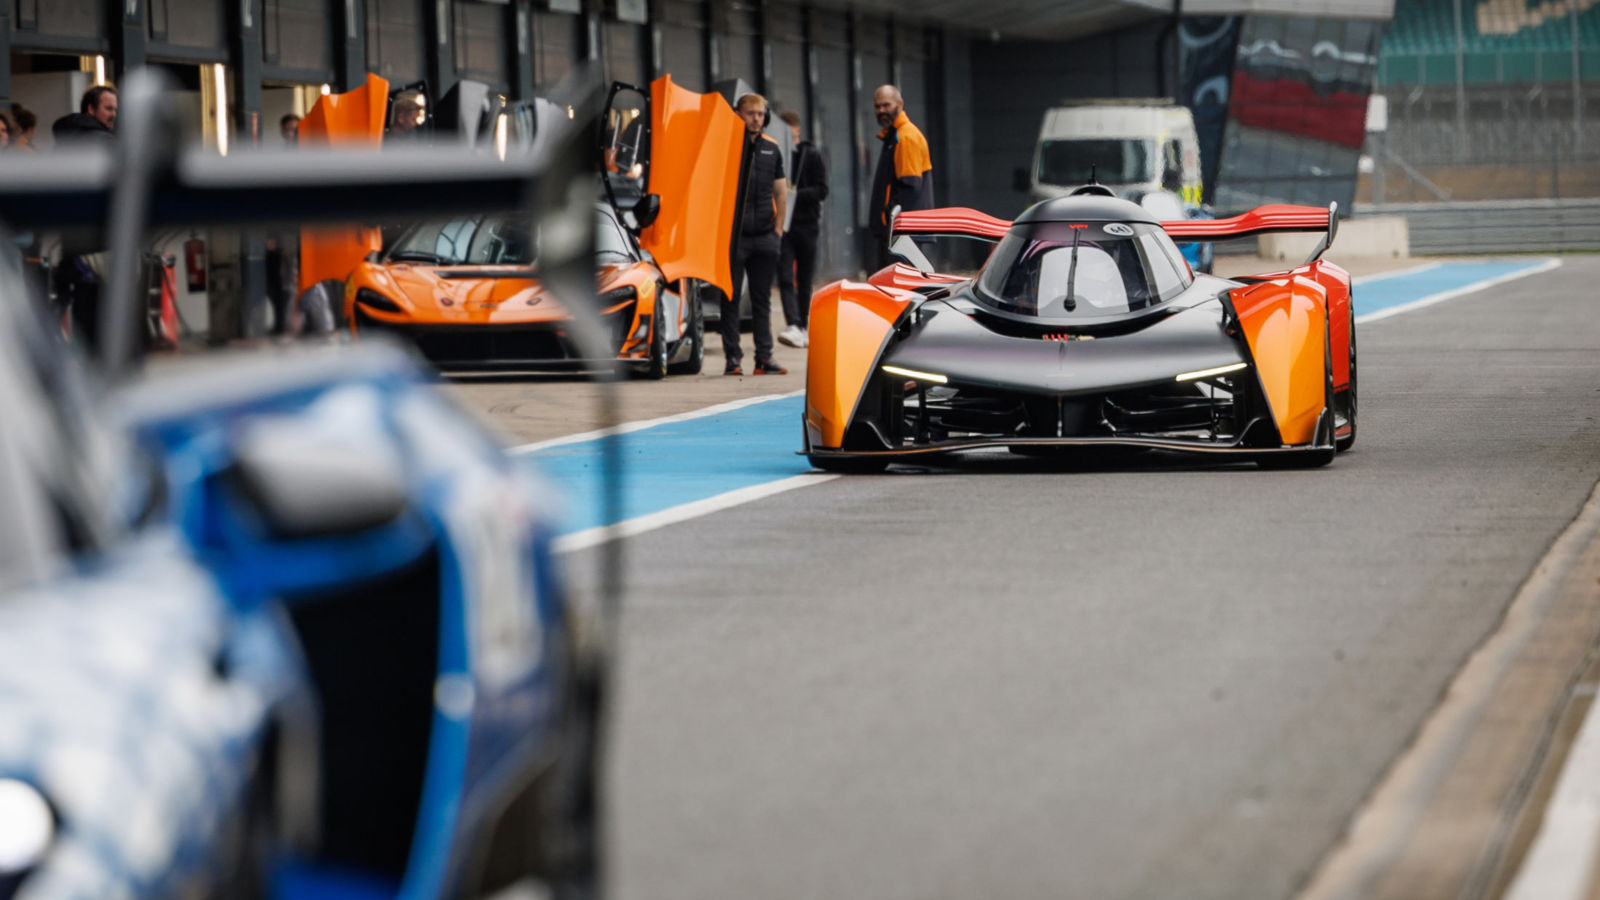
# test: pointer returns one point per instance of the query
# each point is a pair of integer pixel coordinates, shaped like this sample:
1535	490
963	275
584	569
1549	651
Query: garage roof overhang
1066	19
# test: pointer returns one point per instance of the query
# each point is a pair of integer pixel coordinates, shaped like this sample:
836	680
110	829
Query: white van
1130	146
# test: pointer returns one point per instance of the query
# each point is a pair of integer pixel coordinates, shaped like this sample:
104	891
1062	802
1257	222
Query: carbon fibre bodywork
915	362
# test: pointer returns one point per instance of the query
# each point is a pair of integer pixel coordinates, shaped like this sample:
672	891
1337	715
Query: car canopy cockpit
1081	258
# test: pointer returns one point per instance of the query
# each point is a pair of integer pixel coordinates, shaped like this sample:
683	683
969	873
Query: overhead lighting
220	85
914	375
327	89
99	70
1207	373
500	136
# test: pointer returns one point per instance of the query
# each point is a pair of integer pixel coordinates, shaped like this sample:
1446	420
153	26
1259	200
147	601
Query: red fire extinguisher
194	263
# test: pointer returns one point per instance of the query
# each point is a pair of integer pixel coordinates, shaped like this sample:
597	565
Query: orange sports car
1085	329
467	291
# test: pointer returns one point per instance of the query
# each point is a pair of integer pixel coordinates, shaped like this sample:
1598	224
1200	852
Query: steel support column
245	49
5	53
244	23
522	75
440	64
350	58
127	38
860	135
764	49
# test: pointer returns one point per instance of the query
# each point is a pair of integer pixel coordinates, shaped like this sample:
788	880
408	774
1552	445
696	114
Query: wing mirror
305	488
646	211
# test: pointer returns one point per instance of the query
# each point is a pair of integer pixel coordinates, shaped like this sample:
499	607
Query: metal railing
1498	226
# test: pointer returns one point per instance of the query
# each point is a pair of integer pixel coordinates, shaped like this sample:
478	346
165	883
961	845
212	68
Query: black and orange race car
1084	328
467	294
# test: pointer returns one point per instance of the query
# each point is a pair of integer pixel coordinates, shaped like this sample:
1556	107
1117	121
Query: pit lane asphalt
1150	679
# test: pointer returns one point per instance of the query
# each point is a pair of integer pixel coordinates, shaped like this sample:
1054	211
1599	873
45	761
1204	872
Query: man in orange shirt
904	176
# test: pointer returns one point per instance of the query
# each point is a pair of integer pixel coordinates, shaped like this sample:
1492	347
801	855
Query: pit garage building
1279	88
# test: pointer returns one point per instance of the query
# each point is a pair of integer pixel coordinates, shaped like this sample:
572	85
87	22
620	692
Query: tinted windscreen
1055	270
489	241
1109	161
610	245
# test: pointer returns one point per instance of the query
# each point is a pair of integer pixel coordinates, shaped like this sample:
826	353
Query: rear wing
1270	219
1277	217
954	221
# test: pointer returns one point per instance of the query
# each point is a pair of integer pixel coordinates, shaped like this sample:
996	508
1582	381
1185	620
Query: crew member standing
797	263
904	176
755	254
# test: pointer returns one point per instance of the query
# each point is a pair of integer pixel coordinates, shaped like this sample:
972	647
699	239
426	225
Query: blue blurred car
290	625
284	625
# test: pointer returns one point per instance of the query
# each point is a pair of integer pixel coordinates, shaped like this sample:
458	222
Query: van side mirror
1020	180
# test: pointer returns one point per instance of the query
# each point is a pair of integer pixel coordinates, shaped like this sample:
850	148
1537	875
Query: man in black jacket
96	118
797	264
77	277
755	254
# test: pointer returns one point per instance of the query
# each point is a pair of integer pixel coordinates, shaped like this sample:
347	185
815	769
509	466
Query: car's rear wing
953	221
1271	219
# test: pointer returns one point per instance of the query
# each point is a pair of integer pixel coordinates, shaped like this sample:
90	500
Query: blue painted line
1381	293
680	462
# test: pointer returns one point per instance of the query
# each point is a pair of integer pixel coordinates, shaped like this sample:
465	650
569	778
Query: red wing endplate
954	220
1261	220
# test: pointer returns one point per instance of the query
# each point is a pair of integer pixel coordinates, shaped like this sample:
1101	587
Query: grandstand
1522	121
1503	42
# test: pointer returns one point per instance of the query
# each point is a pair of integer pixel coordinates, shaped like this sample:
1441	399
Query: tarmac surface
1148	678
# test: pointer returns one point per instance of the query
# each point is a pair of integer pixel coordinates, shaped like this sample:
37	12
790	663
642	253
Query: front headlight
27	827
914	375
375	300
617	295
1211	373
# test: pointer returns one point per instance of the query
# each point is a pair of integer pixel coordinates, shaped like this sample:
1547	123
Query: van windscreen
1110	160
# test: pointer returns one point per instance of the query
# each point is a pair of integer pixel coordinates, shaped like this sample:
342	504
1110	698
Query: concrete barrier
1360	236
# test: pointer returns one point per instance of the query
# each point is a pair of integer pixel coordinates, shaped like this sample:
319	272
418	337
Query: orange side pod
1285	325
694	169
1336	281
850	323
355	117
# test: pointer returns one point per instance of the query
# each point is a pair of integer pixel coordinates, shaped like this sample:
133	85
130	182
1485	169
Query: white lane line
1380	828
1561	864
591	537
642	424
1380	276
1453	293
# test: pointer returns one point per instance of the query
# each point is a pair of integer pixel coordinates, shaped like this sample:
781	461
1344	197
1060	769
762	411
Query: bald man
904	176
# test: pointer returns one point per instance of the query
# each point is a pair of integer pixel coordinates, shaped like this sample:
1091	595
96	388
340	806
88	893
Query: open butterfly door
356	117
694	150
